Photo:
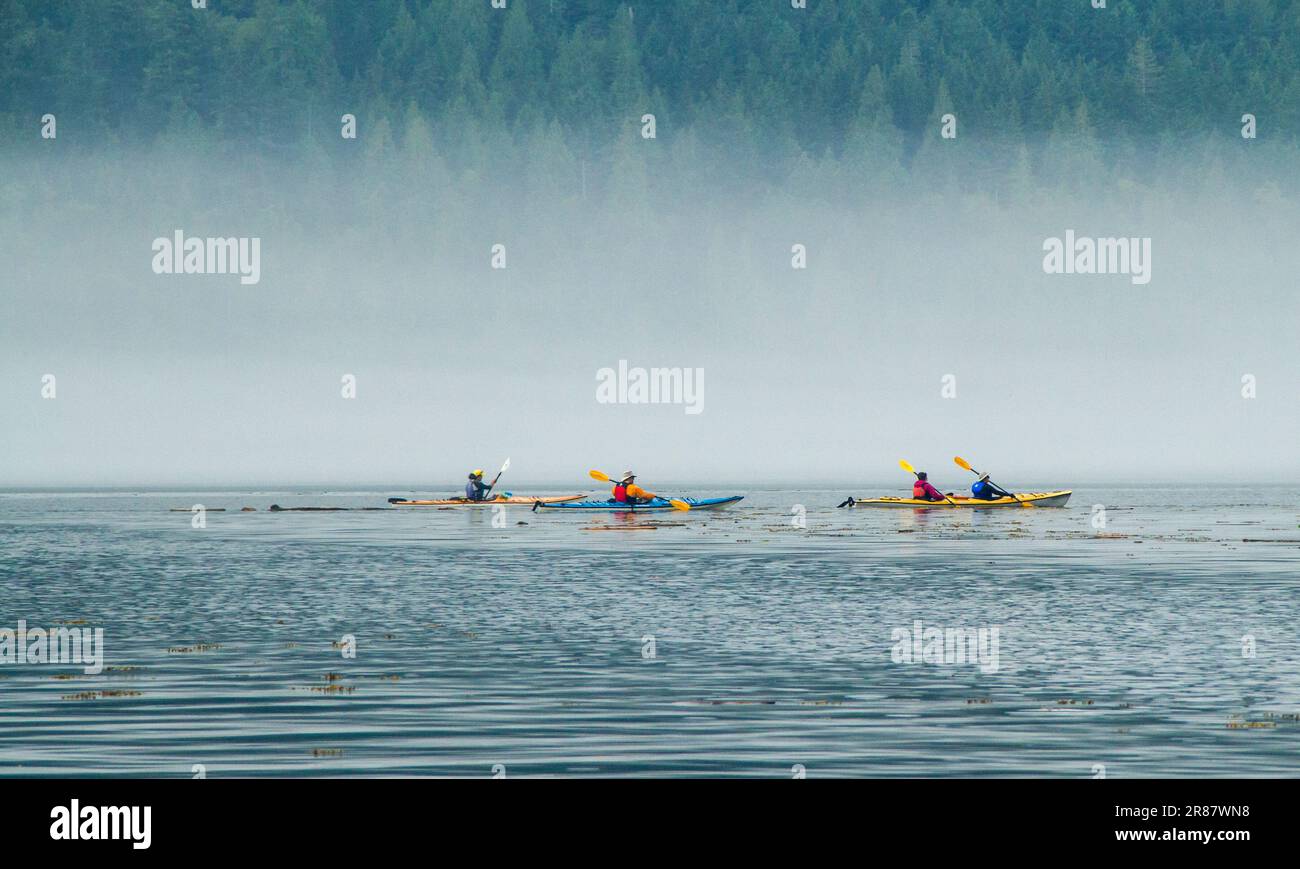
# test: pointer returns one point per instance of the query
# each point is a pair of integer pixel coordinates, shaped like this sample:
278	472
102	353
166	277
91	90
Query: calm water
529	645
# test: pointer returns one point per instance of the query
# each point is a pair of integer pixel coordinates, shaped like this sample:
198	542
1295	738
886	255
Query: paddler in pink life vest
621	494
923	491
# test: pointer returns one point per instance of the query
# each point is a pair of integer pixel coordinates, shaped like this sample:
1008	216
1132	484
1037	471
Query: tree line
738	88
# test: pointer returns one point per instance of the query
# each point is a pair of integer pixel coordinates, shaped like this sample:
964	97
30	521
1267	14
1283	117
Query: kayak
495	499
657	504
1038	499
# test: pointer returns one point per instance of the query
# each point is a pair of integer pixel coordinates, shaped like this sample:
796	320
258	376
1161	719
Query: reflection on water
723	643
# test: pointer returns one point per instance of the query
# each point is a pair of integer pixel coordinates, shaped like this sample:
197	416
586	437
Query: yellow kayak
1038	499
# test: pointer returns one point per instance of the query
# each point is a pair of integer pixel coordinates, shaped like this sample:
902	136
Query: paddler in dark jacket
476	488
621	494
986	491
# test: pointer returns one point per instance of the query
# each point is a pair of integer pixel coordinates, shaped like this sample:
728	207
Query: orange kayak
496	499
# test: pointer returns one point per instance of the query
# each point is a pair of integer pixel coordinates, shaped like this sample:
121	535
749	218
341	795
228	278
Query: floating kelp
276	508
100	695
327	752
704	702
200	647
618	528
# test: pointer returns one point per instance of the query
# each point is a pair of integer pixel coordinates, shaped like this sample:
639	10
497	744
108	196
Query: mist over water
808	373
647	177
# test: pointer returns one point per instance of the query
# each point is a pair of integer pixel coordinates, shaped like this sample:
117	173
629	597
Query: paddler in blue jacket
475	489
986	491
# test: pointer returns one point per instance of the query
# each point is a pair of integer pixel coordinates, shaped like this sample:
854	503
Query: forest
748	92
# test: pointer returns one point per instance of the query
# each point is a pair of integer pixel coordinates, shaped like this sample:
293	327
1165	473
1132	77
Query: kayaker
621	494
984	490
923	491
475	489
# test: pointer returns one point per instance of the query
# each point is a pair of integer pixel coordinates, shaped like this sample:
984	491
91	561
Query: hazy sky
830	372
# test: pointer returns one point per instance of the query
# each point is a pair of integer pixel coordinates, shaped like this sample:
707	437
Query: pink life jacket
923	490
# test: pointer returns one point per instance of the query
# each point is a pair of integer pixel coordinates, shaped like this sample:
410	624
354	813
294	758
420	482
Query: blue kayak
657	504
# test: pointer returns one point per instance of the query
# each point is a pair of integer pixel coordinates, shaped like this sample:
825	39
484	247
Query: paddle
902	463
962	463
491	485
637	492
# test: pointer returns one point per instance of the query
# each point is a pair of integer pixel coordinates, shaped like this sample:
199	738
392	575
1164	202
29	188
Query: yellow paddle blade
902	463
599	475
637	492
962	463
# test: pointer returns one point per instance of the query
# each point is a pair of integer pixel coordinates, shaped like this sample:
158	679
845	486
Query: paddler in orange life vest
621	494
922	490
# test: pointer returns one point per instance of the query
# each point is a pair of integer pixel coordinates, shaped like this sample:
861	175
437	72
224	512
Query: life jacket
918	490
982	490
620	493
